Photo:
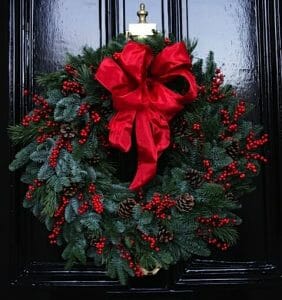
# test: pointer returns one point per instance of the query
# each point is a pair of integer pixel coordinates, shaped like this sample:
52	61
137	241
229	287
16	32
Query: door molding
197	273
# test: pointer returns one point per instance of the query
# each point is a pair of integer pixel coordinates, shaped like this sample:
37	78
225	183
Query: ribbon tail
121	129
147	152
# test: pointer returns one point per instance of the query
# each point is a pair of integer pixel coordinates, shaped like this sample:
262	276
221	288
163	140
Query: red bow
136	80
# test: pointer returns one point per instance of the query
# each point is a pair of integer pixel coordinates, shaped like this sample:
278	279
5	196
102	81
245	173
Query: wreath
182	129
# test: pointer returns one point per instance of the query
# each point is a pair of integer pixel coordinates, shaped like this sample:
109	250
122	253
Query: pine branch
20	134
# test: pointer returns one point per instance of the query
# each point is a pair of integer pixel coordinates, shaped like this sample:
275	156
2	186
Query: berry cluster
60	220
116	55
83	109
240	109
217	81
207	227
209	170
202	89
256	156
159	204
253	143
196	127
230	171
100	245
83	208
223	246
216	221
124	254
71	70
52	128
95	117
70	86
61	209
32	187
84	134
252	167
97	204
151	240
91	188
43	137
232	125
42	111
55	152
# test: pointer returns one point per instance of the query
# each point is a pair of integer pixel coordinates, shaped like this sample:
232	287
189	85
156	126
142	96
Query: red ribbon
136	80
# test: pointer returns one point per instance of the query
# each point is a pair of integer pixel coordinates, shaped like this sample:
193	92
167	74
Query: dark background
246	38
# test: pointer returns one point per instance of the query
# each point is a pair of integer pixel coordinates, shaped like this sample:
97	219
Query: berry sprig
83	109
159	204
70	86
230	171
256	156
61	209
251	167
84	133
232	123
124	254
116	55
91	188
57	228
55	152
152	241
206	230
97	204
40	112
100	245
216	221
209	170
95	117
217	81
240	110
32	187
60	220
48	130
83	208
202	89
253	143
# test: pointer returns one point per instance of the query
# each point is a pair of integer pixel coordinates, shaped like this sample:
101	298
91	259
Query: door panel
229	29
245	36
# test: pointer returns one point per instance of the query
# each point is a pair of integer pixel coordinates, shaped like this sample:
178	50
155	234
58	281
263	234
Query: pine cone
233	150
185	202
164	236
66	131
230	196
71	190
94	160
194	177
125	207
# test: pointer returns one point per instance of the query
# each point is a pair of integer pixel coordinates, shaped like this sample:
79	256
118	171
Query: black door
246	38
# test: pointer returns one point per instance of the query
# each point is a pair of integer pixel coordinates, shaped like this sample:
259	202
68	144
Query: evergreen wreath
78	187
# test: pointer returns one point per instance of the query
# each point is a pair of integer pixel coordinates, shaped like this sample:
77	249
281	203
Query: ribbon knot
137	81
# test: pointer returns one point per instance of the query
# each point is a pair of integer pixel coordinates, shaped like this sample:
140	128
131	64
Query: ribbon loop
137	83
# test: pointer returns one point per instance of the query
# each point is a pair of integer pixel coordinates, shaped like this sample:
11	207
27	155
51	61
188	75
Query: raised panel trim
198	274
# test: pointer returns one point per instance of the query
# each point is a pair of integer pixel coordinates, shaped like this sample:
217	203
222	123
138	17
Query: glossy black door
246	38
